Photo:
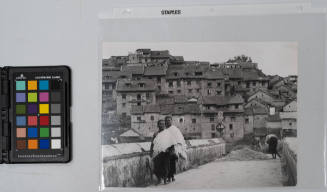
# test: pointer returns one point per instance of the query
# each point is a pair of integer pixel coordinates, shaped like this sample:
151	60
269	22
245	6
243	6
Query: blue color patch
20	85
32	132
20	120
44	84
44	144
20	97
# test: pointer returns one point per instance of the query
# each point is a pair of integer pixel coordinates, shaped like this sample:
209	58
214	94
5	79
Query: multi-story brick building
134	92
205	100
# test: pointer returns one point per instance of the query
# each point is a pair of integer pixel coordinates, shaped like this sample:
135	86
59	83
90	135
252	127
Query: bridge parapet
289	160
129	164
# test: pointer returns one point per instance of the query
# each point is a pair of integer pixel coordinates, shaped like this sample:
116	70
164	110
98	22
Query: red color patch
32	120
44	120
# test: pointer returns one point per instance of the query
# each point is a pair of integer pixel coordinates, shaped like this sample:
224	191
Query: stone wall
129	164
289	161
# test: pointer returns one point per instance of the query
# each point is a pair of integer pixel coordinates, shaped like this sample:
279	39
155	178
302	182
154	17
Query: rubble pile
245	154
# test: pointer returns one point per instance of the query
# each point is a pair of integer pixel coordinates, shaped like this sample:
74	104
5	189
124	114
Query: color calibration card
40	130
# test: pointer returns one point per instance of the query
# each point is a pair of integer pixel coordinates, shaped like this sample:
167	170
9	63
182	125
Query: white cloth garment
178	140
162	142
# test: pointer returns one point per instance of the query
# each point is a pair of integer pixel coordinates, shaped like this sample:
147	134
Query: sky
273	58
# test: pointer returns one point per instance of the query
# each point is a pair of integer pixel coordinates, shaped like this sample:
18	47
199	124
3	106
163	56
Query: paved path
227	174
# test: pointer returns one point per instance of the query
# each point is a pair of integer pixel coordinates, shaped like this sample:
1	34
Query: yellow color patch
44	108
32	85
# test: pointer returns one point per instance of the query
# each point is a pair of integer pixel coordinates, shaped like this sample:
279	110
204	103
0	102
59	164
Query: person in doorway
178	149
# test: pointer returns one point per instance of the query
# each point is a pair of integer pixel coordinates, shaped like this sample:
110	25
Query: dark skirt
161	165
273	145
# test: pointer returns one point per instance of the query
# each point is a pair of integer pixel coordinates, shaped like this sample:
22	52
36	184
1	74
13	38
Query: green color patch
20	85
20	109
44	132
32	97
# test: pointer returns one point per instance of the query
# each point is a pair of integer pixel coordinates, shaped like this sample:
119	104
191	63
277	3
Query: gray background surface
59	32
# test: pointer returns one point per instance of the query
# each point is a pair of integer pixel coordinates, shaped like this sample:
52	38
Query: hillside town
228	100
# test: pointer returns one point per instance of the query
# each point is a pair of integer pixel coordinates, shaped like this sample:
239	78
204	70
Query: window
232	119
124	105
193	120
198	90
106	86
213	127
198	73
124	115
147	95
209	92
247	120
152	118
123	96
209	84
218	84
171	92
247	85
190	90
138	96
236	106
218	92
178	84
213	135
181	120
189	82
158	79
212	119
159	87
138	118
138	104
290	123
178	91
230	126
175	74
170	84
239	82
254	83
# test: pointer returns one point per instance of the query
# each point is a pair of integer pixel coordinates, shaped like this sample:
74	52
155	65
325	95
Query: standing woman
158	153
272	142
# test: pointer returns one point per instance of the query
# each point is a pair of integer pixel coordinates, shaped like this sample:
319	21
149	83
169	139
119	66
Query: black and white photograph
199	115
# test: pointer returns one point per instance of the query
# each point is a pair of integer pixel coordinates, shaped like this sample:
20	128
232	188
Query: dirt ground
240	168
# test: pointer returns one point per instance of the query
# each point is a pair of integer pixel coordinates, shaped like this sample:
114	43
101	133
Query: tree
240	59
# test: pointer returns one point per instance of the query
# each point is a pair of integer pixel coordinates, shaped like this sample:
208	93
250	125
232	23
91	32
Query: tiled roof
214	75
186	109
222	100
124	85
237	99
180	99
165	100
232	73
130	133
214	100
251	75
160	54
155	71
187	70
261	90
137	70
166	109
